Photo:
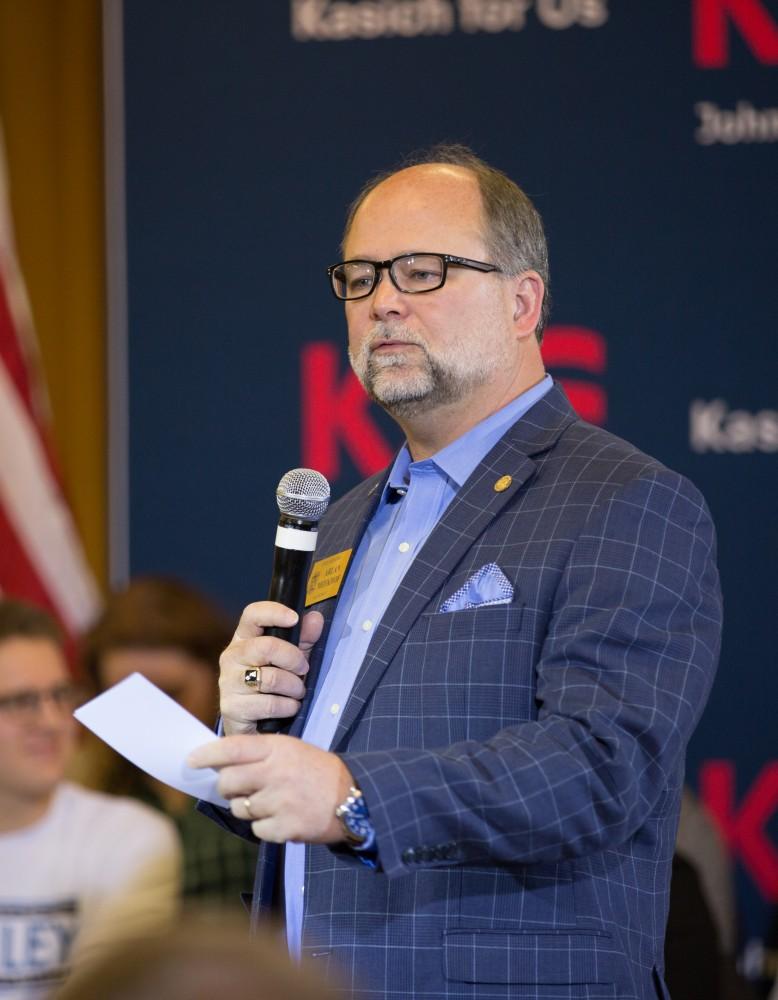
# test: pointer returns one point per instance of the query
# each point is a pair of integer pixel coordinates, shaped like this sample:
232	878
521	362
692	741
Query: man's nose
387	300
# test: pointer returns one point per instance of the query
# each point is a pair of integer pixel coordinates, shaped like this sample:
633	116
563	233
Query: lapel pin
502	484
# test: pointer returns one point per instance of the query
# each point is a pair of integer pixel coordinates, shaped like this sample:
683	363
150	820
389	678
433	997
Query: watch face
351	827
353	818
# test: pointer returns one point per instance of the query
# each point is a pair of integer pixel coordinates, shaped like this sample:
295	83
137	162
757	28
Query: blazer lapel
473	509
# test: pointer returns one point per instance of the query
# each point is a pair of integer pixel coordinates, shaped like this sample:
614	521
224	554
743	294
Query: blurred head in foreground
205	957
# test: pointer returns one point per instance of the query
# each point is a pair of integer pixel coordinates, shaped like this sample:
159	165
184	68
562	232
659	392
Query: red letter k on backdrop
743	826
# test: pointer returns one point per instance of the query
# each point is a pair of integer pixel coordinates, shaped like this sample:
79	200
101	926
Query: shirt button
366	625
334	709
302	888
403	546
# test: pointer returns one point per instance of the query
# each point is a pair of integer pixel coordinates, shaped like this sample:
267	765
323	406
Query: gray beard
427	384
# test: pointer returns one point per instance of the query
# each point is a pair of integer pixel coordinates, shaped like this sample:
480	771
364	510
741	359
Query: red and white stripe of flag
41	557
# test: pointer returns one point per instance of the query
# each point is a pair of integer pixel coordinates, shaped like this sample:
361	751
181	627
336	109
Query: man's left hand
286	788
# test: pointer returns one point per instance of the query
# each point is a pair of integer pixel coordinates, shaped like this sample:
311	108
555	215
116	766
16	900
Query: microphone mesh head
303	493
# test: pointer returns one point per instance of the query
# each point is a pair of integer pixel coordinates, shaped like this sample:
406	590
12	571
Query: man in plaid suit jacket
509	755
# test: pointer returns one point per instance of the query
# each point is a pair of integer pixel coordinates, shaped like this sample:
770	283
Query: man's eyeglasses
27	704
411	272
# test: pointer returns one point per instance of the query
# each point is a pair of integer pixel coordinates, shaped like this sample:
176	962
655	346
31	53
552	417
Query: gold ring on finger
253	678
247	806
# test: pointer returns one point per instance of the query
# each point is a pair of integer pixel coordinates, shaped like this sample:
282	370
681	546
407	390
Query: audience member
692	968
172	635
770	967
701	939
79	870
700	843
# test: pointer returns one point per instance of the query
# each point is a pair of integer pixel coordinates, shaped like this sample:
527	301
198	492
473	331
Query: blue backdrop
646	134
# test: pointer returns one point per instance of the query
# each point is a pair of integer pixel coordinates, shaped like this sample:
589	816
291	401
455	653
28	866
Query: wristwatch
352	813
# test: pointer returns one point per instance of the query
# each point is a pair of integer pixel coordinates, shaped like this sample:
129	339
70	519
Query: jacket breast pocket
488	656
490	622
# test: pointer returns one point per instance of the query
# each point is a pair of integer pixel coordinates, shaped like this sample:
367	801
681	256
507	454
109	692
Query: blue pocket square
489	585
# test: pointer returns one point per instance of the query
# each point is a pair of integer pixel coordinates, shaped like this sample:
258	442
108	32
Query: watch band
354	817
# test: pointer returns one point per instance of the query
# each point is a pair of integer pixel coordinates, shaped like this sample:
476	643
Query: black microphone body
290	574
302	497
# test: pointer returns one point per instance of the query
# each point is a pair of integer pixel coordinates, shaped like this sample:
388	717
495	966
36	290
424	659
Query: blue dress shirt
397	531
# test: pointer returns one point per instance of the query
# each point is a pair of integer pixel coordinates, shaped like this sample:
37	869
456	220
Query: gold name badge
326	577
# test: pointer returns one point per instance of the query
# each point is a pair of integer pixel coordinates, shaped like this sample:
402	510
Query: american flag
41	558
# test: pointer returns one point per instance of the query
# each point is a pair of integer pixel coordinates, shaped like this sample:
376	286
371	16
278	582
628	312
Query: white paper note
147	727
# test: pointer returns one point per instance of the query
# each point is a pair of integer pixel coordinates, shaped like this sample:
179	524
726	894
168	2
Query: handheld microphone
302	497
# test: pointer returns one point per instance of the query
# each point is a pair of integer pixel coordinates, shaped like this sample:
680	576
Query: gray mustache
383	331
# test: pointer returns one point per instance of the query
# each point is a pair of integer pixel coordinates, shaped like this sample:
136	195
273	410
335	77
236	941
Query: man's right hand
282	667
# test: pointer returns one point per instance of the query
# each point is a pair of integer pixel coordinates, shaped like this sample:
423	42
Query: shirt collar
458	459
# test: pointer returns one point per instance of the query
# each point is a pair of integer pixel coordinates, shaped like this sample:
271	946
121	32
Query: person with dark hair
491	703
79	871
692	953
173	635
697	965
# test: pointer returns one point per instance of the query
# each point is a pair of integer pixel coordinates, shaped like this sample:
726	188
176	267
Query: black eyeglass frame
388	265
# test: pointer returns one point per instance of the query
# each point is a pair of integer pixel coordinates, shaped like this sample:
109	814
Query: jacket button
409	855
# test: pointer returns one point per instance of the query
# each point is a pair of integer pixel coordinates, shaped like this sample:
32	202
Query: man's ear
528	292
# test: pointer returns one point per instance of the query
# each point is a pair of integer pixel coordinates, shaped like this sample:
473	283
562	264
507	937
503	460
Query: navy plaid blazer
522	762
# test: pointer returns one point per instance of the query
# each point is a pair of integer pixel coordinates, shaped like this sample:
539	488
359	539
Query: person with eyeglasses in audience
79	871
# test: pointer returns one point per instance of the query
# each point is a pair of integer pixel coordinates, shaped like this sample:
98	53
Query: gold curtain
51	113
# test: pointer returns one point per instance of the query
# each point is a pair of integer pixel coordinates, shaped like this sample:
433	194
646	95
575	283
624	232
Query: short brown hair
157	612
513	233
21	620
208	954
